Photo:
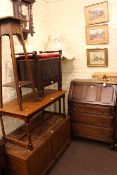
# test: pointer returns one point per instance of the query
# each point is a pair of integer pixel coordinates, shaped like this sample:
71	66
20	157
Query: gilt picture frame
97	13
97	34
97	57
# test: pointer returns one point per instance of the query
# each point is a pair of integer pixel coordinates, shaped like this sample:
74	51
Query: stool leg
60	105
27	62
15	71
3	130
64	105
1	101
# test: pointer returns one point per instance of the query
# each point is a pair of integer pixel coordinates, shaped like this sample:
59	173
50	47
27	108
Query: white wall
65	17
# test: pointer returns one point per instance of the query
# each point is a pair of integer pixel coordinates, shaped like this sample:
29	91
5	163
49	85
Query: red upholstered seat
41	56
22	57
48	55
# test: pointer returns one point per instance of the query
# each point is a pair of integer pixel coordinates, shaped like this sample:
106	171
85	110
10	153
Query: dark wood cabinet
49	141
92	108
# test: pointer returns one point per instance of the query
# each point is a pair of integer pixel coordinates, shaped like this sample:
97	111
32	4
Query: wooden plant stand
10	26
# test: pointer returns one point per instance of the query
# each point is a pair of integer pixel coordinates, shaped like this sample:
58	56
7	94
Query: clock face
23	9
25	14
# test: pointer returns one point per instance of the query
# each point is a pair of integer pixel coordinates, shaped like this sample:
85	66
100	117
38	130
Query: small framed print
97	57
97	13
97	34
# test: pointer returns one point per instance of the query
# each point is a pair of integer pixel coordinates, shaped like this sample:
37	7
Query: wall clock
23	9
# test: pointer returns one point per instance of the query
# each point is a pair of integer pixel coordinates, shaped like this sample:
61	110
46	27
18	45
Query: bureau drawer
91	109
96	120
93	132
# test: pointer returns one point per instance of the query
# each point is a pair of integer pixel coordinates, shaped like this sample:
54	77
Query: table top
30	105
11	18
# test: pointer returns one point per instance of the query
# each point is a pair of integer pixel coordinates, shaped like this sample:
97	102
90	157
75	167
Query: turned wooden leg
1	101
60	105
27	125
64	112
2	127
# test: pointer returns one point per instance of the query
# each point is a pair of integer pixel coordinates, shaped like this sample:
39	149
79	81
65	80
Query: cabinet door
39	162
61	137
36	162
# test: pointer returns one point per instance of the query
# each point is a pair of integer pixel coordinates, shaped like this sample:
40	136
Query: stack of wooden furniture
33	147
93	110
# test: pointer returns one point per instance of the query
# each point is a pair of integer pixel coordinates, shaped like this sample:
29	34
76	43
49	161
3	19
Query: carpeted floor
84	157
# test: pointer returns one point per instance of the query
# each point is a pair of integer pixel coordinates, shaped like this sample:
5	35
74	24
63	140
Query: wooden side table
30	109
10	26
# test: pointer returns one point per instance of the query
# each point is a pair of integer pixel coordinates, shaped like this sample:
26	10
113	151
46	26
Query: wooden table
30	109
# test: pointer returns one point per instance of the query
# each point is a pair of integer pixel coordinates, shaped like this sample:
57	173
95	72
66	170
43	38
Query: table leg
27	125
1	101
3	130
64	112
59	105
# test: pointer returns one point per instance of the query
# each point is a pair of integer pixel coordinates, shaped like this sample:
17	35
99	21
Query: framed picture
97	13
97	34
97	57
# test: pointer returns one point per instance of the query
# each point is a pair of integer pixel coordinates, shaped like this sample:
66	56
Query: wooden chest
49	140
92	108
45	71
